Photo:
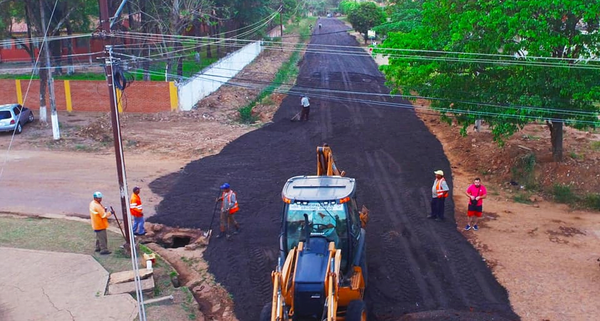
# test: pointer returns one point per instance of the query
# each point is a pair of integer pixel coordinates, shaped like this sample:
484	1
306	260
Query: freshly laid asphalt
418	269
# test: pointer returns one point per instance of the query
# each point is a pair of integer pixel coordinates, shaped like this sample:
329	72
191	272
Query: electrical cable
478	104
409	106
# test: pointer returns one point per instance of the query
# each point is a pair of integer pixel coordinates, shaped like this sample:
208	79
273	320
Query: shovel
112	210
296	117
208	233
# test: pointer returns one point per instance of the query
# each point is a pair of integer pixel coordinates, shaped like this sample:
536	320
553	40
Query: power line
251	85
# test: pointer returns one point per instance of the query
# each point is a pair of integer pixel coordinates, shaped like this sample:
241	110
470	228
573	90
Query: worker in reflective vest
439	192
229	207
137	211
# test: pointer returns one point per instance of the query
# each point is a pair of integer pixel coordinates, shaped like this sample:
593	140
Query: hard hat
137	188
225	186
439	172
97	195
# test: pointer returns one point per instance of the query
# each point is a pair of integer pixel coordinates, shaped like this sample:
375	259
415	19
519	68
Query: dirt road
47	182
415	265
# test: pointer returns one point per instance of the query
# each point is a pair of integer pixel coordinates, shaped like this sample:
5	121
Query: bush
524	171
592	201
564	194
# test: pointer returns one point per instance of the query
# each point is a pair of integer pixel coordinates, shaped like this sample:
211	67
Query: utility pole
53	113
130	245
114	117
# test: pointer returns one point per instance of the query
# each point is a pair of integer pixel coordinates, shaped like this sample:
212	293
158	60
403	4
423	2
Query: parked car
14	117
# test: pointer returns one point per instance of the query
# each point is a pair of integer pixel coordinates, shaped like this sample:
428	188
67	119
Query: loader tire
357	311
265	314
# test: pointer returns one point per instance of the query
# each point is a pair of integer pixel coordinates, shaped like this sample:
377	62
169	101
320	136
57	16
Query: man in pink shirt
476	193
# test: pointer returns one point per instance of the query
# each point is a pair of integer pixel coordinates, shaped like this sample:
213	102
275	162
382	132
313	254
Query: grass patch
564	194
592	201
595	145
62	236
288	70
522	198
574	155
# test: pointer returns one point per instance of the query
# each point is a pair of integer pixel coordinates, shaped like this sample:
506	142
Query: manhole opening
180	241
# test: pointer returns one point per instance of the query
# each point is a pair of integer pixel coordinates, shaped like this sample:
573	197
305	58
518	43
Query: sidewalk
54	286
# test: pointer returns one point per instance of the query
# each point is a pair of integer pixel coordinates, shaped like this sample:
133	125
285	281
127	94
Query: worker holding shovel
229	207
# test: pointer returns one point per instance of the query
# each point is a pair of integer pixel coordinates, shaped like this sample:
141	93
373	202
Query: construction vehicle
322	270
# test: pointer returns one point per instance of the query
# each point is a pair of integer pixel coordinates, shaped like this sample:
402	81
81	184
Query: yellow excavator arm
325	163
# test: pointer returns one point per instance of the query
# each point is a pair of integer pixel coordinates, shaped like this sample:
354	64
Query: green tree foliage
366	16
509	63
347	5
405	16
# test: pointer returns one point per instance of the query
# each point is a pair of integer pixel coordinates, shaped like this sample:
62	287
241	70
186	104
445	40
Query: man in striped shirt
135	206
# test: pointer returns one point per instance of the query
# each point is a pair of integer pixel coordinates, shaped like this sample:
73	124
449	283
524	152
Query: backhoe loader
322	270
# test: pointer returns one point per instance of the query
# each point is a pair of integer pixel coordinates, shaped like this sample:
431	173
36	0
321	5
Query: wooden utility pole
53	113
114	117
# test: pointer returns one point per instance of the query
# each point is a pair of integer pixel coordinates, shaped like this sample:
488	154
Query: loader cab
329	203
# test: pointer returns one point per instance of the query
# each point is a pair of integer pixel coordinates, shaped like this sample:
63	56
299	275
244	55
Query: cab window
326	219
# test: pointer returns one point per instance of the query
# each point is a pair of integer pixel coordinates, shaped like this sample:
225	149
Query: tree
366	16
509	63
347	5
405	15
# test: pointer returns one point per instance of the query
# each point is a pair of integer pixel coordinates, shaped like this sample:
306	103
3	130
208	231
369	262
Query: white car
13	117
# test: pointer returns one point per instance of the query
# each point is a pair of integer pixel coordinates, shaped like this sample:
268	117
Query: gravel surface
415	265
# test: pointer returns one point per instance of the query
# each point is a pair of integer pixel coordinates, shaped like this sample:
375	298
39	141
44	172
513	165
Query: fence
217	74
141	96
91	95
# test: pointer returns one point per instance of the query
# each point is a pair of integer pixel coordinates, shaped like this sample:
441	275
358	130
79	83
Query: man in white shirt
305	108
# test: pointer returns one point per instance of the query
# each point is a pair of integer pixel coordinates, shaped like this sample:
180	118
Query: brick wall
8	94
146	97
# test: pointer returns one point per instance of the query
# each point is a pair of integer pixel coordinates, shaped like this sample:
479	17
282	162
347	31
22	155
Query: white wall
211	78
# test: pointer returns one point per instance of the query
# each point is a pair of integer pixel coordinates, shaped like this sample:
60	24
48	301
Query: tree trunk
70	68
208	49
146	67
31	50
178	49
43	83
556	138
56	54
218	36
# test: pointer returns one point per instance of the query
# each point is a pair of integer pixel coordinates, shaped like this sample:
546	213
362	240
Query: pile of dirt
98	130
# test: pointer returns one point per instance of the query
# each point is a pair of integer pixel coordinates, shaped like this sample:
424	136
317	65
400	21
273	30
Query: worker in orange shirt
99	215
135	207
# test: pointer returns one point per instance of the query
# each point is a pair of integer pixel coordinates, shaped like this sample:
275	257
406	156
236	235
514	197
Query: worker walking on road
305	107
99	215
229	207
135	207
439	192
476	193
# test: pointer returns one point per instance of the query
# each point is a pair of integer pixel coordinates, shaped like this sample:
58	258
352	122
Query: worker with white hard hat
439	193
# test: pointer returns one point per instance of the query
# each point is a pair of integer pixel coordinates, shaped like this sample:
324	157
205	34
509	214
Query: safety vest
227	198
135	205
438	189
